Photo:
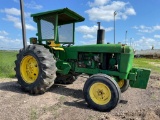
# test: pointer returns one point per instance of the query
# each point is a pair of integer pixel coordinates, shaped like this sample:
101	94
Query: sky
137	22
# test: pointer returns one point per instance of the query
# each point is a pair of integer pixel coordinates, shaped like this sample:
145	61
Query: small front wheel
101	92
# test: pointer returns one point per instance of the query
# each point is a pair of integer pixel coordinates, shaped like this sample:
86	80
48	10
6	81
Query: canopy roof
65	16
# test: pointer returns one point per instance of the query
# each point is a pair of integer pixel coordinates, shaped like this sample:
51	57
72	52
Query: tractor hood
103	48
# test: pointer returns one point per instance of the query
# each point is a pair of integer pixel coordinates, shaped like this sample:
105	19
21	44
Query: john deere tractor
52	58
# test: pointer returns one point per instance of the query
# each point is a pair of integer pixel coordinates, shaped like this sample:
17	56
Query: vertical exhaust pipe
100	34
23	24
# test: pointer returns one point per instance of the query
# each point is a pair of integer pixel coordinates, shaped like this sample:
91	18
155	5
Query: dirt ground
67	103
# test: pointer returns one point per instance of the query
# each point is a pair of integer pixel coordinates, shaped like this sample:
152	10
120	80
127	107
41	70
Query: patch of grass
153	64
7	64
33	114
153	96
62	98
90	117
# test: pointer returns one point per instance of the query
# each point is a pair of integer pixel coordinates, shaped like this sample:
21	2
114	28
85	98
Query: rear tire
101	92
35	69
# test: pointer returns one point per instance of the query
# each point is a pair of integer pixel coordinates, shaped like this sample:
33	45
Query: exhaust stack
100	34
23	24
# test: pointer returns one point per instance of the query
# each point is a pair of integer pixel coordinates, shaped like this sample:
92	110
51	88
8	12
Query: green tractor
52	58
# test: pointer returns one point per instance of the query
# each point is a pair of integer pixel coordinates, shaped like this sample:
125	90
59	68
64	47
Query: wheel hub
29	69
100	93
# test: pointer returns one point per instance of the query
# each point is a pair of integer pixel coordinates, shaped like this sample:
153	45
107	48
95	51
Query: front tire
101	92
35	69
124	85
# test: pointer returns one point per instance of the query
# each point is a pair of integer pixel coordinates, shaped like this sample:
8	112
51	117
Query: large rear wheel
101	92
35	69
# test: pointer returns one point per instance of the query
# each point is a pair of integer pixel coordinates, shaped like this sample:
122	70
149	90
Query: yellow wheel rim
121	83
29	69
100	93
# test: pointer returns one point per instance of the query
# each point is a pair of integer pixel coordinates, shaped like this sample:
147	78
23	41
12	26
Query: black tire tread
99	107
125	86
47	66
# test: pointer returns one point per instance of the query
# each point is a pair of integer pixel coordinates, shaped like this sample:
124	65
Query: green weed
90	117
62	98
153	97
33	114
